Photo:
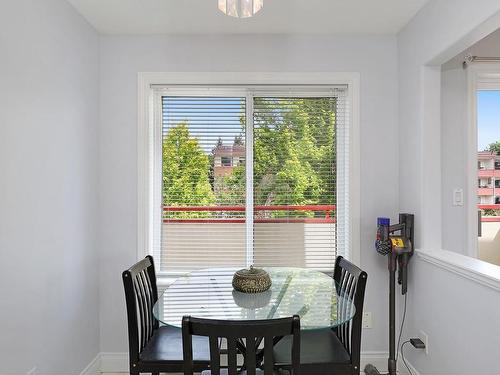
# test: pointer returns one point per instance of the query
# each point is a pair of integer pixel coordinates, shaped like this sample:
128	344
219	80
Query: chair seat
316	347
166	345
224	371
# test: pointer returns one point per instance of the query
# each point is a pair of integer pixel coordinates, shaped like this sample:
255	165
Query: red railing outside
488	173
325	209
485	191
489	219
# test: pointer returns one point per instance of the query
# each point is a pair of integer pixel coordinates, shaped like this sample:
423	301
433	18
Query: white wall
454	148
123	57
49	73
454	311
460	318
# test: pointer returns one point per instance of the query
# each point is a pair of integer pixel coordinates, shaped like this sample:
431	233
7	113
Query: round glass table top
295	291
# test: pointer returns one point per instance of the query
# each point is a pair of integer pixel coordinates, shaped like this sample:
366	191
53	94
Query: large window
250	177
483	151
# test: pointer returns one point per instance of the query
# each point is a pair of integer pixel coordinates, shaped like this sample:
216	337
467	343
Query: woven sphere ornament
252	280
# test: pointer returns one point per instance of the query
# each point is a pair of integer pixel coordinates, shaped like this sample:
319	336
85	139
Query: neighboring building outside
226	158
488	177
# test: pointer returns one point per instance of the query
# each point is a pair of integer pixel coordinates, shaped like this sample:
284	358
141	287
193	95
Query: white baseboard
118	362
94	367
404	371
377	359
114	362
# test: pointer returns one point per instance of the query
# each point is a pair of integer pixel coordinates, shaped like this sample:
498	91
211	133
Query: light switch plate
458	197
367	320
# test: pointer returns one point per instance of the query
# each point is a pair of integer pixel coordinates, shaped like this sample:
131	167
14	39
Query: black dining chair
337	350
253	332
153	348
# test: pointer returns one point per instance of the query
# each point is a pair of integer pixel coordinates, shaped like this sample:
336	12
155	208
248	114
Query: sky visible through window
208	119
488	118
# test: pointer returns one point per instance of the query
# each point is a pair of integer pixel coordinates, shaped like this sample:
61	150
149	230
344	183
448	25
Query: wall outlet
367	320
33	371
425	339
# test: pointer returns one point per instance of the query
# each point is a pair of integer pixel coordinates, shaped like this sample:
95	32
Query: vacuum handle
403	272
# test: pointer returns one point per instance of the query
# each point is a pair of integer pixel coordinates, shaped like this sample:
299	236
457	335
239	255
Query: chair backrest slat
146	282
268	355
187	348
141	294
296	348
250	359
351	284
232	359
142	312
143	297
214	355
251	331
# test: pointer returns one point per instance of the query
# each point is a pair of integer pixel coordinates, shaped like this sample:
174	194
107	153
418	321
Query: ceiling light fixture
240	8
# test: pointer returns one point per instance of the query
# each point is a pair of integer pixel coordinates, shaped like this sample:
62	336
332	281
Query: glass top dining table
208	293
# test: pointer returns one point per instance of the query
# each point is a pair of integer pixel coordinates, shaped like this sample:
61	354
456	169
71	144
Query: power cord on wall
416	342
403	356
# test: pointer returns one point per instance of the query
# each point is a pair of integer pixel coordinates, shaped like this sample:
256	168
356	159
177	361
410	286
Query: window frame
232	83
480	76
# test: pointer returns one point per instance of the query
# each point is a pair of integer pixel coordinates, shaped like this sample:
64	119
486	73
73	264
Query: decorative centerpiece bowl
252	280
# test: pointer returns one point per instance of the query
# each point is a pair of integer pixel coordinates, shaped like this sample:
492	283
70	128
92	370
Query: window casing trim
198	82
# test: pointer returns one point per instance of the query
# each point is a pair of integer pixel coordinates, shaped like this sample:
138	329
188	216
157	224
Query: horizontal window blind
294	181
298	148
203	223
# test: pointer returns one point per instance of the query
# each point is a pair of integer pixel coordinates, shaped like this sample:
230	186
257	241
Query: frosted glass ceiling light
240	8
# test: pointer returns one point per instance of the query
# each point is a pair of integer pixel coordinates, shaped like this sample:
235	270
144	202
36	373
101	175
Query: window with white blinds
252	177
203	183
294	181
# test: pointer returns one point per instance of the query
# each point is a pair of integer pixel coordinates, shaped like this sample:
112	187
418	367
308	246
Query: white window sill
473	269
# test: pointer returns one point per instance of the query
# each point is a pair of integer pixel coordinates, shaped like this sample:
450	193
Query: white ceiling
277	16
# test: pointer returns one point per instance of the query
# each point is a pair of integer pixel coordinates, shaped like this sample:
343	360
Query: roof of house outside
233	150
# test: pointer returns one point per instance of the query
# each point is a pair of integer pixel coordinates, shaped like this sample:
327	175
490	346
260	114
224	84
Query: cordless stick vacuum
399	249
